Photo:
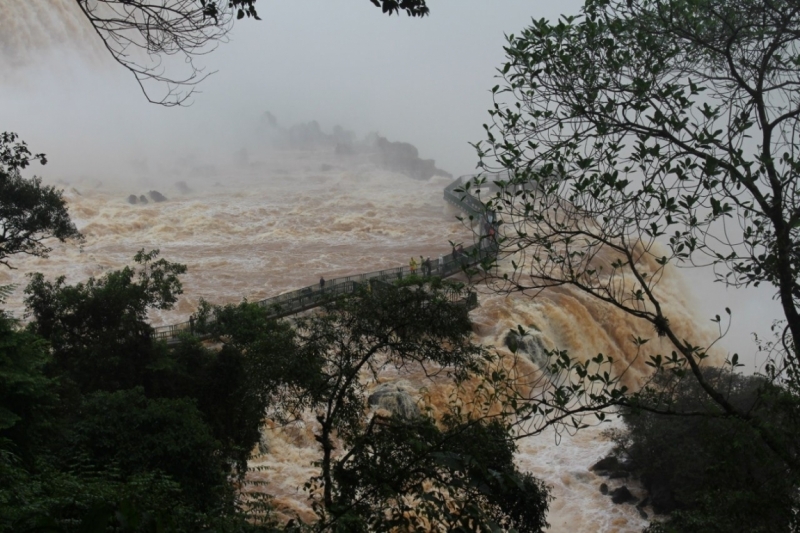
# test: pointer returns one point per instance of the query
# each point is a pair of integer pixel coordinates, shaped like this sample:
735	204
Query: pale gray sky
425	81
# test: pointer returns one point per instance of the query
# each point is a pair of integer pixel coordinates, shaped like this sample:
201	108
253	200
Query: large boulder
531	345
143	199
404	157
157	196
133	200
622	495
395	398
607	464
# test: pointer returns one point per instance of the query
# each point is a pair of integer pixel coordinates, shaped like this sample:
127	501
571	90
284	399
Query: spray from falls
32	30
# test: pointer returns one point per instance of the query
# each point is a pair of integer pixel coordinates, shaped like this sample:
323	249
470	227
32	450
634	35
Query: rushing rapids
284	226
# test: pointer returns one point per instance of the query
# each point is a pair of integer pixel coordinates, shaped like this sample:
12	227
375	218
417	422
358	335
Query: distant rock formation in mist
396	156
157	196
143	199
404	158
309	136
132	199
182	187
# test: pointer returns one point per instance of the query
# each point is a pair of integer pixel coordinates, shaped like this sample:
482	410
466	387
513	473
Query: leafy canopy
30	213
639	136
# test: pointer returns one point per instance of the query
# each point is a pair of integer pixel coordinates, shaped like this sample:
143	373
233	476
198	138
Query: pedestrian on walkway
413	266
321	283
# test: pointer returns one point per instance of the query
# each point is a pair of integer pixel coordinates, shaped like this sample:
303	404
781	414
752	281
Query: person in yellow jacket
412	265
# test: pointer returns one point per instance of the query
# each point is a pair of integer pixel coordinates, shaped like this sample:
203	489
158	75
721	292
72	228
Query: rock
603	488
157	196
393	398
642	513
618	474
404	157
530	345
182	187
622	495
132	199
143	199
606	464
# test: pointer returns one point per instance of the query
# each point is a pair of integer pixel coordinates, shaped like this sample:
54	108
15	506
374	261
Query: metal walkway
293	302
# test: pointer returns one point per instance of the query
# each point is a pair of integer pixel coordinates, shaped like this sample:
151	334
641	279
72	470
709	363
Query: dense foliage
30	213
640	135
714	474
98	419
630	139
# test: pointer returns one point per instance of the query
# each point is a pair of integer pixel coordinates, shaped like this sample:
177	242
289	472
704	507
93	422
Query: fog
338	62
423	81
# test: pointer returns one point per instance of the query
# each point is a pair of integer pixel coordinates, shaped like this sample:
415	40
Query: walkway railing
293	302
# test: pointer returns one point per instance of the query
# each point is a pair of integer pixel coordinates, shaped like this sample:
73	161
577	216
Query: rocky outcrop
143	199
133	200
530	345
606	464
404	158
394	397
157	196
622	495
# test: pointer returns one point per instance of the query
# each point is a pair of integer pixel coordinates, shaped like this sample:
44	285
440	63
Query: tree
99	332
184	29
102	424
29	212
378	471
640	136
730	481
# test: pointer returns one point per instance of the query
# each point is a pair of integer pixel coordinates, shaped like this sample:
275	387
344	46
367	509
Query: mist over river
281	225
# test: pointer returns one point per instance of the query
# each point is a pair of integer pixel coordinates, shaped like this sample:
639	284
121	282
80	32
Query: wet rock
530	345
143	199
182	187
404	157
642	513
622	495
618	474
393	398
157	196
603	488
133	200
606	464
